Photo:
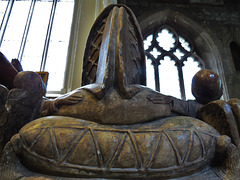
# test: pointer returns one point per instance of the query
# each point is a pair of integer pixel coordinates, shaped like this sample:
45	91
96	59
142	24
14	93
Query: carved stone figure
115	127
113	85
20	105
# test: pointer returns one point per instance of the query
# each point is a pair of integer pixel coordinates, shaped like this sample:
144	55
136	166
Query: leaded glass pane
148	42
165	39
150	74
184	44
155	53
32	55
169	81
189	70
3	6
57	53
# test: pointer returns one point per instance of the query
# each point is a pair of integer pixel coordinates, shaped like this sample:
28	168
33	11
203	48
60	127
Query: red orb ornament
206	86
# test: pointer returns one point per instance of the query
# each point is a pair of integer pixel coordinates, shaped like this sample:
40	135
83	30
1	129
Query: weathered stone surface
220	116
235	106
113	109
21	104
165	148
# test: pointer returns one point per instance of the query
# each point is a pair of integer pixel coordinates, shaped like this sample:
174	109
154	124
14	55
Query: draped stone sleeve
185	108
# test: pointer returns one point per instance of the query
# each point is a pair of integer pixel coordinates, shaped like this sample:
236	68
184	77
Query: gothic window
171	62
37	33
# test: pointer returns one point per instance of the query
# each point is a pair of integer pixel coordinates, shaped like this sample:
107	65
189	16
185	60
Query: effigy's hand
68	100
51	106
158	98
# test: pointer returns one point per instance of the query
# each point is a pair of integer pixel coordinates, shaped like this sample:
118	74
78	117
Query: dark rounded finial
206	86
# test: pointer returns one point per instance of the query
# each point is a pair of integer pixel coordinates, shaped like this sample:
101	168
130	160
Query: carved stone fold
75	147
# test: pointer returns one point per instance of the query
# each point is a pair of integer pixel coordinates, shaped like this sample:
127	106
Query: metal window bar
47	40
5	19
26	30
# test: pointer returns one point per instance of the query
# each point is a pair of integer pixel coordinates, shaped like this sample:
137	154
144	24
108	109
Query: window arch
203	42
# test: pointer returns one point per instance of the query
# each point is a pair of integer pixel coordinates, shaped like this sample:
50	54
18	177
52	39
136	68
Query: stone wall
220	19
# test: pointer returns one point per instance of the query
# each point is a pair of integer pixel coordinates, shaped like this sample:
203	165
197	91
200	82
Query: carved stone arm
235	106
185	108
220	115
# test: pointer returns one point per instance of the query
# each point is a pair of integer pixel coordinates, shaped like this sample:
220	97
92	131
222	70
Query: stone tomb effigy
113	126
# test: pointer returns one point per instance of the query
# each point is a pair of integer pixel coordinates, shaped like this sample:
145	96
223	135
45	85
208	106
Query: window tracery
171	62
